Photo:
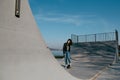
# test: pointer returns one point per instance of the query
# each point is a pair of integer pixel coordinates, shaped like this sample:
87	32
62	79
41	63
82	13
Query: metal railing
100	37
110	36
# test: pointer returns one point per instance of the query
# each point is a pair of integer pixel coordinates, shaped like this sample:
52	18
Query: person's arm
64	46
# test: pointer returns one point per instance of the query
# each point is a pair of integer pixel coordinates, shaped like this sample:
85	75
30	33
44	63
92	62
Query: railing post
85	38
117	52
77	38
116	32
95	37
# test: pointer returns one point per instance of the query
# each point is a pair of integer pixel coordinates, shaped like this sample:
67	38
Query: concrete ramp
105	49
23	53
90	59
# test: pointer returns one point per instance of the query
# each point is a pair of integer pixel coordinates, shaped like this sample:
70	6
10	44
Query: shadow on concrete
91	57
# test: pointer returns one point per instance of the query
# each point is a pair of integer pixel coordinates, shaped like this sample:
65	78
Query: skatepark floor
93	67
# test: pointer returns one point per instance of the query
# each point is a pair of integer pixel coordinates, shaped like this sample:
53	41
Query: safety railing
100	37
110	36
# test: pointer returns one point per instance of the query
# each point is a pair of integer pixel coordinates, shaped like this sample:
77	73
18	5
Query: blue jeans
67	58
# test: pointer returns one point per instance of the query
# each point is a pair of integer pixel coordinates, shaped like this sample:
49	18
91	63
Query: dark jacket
65	47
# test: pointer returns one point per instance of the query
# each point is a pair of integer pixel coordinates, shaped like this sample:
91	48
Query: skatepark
25	56
94	61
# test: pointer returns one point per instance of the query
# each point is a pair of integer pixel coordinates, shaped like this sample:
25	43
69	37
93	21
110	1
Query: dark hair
70	41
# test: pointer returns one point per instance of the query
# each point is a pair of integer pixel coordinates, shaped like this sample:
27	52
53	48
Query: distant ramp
91	58
105	49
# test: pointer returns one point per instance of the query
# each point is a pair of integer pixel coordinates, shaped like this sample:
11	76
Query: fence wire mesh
110	36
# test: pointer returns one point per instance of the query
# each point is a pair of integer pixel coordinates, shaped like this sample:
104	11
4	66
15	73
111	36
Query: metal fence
100	37
110	36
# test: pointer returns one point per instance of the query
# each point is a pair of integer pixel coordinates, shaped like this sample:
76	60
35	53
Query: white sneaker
70	64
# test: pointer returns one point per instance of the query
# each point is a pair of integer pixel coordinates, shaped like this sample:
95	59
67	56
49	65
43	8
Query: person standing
66	52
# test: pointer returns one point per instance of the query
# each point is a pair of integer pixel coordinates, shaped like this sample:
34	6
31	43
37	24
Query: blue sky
58	19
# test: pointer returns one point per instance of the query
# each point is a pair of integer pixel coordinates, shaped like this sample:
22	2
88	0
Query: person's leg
69	58
66	62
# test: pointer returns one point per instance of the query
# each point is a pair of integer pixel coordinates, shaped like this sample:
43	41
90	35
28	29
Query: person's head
69	42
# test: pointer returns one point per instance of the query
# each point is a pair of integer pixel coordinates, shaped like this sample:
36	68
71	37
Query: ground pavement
93	67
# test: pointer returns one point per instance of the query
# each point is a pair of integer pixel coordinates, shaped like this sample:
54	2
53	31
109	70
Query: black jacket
65	47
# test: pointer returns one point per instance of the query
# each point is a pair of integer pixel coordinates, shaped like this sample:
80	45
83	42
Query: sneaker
68	66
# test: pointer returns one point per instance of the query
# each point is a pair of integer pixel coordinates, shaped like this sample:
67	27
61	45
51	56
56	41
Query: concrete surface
83	68
25	56
23	52
94	66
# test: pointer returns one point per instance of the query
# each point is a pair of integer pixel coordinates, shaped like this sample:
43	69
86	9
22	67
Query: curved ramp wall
105	50
23	53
